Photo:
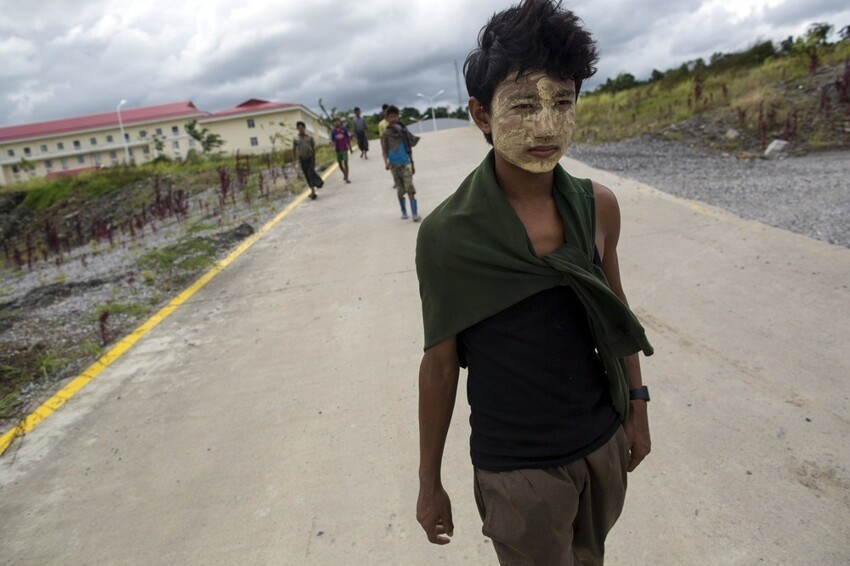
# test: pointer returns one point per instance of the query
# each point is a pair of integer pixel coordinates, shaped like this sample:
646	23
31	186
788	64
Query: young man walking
359	124
397	145
520	283
304	151
342	144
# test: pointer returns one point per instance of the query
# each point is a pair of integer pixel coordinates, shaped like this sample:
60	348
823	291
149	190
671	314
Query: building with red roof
138	135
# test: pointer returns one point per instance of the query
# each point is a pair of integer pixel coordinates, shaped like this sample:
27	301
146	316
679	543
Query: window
113	155
15	168
143	134
255	142
175	130
191	142
126	137
11	153
27	151
250	122
77	144
109	139
48	164
81	159
43	148
146	149
176	145
159	131
60	145
64	163
97	158
93	141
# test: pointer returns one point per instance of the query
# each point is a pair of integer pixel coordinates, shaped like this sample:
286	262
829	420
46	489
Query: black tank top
536	387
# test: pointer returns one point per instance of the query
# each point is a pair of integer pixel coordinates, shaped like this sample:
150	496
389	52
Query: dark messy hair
300	123
391	109
535	35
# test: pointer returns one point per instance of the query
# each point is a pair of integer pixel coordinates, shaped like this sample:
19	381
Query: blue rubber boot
414	208
403	209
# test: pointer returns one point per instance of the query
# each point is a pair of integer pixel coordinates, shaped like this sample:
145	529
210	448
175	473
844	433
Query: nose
545	125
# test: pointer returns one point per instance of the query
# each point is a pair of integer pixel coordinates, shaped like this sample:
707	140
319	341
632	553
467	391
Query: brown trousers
555	516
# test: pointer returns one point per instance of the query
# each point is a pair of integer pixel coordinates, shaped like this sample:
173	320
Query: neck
521	185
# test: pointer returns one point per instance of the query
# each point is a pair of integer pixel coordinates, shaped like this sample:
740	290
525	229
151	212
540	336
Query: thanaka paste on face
545	124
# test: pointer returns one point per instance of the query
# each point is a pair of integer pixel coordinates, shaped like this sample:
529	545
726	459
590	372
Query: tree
844	33
327	118
817	34
208	140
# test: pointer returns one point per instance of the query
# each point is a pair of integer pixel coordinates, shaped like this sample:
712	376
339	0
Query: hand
412	169
434	513
387	165
637	433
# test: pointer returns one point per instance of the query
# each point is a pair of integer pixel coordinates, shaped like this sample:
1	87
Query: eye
523	106
564	102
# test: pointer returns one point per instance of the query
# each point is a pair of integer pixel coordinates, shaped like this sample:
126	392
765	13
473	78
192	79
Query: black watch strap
639	394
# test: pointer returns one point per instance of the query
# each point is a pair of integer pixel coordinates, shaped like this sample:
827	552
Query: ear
480	116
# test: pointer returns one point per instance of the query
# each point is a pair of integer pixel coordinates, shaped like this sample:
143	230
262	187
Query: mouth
544	151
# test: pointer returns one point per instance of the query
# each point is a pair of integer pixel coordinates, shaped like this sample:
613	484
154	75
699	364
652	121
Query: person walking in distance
304	151
341	140
520	283
397	145
359	124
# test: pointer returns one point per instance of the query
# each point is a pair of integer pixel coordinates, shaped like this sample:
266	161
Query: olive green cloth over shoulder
474	259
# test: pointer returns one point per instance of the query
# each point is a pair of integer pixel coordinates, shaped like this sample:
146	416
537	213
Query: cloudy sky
61	58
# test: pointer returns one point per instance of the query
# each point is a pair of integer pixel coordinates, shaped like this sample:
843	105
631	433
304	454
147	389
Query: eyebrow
529	95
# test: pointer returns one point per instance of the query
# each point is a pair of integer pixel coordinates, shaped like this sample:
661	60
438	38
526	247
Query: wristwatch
639	394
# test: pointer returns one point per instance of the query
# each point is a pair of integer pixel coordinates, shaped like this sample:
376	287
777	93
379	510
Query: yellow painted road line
59	399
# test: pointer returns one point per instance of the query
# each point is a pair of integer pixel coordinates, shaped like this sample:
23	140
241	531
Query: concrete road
271	419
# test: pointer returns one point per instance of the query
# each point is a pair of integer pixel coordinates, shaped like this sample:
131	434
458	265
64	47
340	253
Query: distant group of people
396	144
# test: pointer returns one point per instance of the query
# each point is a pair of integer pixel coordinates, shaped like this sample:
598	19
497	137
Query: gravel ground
49	316
806	194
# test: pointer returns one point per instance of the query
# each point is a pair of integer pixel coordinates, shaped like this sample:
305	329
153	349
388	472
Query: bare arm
607	237
438	377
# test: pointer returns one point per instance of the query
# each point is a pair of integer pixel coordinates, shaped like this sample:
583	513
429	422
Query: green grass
188	254
652	107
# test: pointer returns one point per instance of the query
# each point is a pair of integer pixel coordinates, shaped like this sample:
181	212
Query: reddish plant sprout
104	334
825	105
761	126
78	228
814	60
30	251
842	83
243	170
223	185
698	85
181	203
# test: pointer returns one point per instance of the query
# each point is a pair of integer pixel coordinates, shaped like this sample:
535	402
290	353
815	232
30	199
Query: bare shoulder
607	208
605	197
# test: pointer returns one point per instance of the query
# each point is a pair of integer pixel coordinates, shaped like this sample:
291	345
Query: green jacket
474	259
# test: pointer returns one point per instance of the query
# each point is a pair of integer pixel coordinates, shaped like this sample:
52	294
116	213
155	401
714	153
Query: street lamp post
123	136
431	100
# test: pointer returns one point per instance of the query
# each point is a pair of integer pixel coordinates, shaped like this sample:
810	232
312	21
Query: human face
532	120
392	118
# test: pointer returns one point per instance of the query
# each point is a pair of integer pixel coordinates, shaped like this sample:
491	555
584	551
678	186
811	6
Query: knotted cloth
474	259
